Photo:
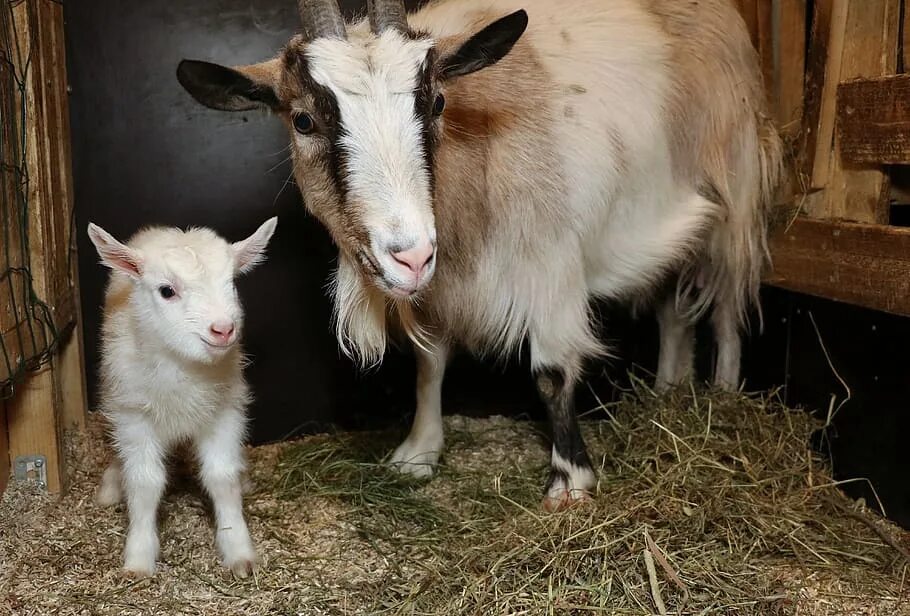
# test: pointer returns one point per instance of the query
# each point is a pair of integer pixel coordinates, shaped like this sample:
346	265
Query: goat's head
363	107
182	284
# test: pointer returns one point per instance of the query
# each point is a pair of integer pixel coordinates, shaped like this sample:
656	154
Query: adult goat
487	168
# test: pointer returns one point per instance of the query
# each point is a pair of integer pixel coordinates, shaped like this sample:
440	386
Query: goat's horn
321	19
387	15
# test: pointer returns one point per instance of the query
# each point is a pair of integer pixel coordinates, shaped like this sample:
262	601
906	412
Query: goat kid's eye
167	291
303	123
439	104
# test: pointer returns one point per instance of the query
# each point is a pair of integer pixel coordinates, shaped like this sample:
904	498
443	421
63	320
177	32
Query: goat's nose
416	258
222	331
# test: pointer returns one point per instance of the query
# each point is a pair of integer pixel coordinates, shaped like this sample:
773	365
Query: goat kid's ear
250	252
113	254
487	47
231	89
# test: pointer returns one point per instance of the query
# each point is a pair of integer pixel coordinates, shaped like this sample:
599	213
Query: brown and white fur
172	372
488	168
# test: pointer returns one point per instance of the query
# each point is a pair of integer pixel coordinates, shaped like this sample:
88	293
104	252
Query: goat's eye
439	104
167	291
303	123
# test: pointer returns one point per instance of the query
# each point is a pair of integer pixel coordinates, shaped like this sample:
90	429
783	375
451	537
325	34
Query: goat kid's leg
677	346
571	474
222	465
419	453
110	492
144	477
729	346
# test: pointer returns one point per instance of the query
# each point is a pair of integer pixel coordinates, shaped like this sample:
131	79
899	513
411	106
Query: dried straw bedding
707	504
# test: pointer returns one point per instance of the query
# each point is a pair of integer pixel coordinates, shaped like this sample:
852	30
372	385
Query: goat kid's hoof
138	572
565	499
242	568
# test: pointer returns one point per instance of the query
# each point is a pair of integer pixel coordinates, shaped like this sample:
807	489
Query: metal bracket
32	469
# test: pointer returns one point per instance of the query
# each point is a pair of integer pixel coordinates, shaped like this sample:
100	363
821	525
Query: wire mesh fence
28	334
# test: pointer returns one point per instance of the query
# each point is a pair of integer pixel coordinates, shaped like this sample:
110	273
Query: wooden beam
873	120
865	265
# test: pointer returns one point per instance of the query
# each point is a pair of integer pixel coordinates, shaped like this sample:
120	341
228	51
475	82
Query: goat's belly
631	251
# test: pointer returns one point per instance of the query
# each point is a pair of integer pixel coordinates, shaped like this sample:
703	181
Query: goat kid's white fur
163	383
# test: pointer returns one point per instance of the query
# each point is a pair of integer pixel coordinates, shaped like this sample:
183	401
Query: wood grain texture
34	426
873	120
868	49
4	450
789	41
861	264
55	393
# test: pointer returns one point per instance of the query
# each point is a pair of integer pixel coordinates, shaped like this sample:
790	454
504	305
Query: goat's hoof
563	499
416	459
242	568
136	571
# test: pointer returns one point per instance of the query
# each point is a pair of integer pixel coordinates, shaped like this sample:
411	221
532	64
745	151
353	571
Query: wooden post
53	397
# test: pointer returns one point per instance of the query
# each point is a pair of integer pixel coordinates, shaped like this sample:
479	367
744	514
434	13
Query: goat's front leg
571	474
144	476
221	461
419	453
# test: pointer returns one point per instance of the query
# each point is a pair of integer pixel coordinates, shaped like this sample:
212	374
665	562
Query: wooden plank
4	450
865	265
34	429
71	375
873	120
827	105
869	50
790	64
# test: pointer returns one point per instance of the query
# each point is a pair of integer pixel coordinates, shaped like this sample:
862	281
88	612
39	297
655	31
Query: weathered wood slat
861	264
873	120
790	44
867	47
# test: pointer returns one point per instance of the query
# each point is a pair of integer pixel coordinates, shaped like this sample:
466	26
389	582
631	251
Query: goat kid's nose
417	258
222	331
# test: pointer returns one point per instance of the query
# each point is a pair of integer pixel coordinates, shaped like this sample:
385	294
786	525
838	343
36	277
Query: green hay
707	504
725	487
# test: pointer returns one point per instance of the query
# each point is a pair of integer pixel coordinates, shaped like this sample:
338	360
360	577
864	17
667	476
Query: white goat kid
172	372
488	168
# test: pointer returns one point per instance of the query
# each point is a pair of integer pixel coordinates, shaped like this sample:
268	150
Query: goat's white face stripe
386	177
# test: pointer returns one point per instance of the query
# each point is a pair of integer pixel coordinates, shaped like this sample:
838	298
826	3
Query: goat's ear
487	47
113	254
250	252
231	89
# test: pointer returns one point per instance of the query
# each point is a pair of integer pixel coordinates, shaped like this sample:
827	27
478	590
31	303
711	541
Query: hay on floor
707	504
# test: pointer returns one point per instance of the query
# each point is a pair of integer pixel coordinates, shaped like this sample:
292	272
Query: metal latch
32	469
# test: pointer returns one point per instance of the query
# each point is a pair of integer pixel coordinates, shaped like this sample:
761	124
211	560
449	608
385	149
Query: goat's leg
144	476
725	322
571	475
419	452
220	452
110	492
677	343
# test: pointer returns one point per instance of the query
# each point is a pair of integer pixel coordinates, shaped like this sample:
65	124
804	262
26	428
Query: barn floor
707	504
